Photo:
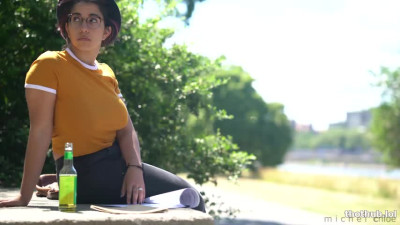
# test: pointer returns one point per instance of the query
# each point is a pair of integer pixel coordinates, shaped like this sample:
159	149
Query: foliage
165	89
217	207
221	153
338	138
386	118
304	140
27	28
257	127
189	5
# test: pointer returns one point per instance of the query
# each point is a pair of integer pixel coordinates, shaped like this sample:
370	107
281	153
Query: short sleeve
42	74
117	90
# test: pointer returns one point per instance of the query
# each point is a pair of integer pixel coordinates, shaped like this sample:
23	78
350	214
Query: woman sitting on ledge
73	98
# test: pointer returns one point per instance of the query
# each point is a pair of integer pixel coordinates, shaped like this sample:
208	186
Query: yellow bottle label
67	194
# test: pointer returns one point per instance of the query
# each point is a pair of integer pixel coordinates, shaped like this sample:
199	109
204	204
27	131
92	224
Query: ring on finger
140	189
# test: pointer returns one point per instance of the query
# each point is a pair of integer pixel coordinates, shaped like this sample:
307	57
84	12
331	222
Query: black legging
100	177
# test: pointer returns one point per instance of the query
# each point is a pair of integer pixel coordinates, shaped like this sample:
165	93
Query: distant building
356	120
302	127
361	119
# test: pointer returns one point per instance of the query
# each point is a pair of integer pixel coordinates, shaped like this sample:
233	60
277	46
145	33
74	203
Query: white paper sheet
187	197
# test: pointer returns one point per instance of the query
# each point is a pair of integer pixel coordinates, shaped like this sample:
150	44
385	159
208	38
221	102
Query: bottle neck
68	157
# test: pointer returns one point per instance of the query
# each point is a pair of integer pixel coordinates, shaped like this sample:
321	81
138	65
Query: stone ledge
44	211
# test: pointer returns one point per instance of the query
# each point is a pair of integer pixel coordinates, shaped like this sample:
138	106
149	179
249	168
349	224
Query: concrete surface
44	211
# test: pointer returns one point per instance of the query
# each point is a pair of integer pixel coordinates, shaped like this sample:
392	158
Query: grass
371	187
330	196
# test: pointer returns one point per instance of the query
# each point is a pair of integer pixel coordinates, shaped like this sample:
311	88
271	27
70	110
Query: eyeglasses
92	22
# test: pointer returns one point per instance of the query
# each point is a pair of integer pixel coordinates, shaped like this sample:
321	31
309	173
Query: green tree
303	140
179	83
163	88
338	138
342	138
27	28
173	9
257	127
386	118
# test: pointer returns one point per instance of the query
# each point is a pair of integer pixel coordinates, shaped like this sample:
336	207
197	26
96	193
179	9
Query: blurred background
332	67
281	112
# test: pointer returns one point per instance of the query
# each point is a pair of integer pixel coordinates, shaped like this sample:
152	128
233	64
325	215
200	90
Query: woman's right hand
17	201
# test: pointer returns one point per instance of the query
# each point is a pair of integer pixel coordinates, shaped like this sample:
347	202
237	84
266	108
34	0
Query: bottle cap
68	151
68	146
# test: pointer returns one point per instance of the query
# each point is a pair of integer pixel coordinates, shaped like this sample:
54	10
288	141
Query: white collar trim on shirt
90	67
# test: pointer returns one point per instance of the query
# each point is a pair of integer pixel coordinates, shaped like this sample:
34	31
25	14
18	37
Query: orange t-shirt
88	109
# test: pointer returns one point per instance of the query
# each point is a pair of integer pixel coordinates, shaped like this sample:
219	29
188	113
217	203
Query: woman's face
86	28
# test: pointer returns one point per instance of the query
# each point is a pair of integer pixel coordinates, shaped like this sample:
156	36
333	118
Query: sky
316	57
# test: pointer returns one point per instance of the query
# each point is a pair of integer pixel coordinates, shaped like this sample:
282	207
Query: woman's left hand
133	186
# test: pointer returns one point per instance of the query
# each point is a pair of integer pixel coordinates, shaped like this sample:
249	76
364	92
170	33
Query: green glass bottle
68	182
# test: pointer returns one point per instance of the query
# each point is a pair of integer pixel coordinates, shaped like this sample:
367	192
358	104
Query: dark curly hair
109	9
